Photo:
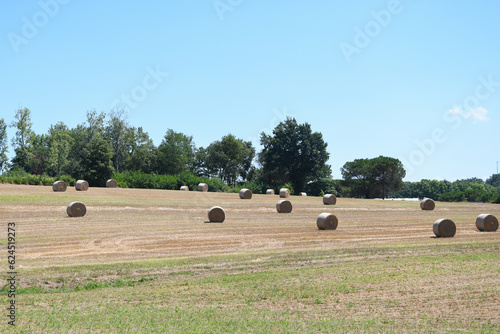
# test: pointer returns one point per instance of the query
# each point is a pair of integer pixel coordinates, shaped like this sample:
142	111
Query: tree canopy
230	159
375	177
175	153
295	154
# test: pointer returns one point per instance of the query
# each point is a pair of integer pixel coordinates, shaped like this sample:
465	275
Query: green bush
323	186
18	176
70	181
457	196
172	182
255	186
497	201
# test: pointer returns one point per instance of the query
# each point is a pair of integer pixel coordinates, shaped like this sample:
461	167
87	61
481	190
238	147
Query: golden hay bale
487	223
284	192
329	199
184	188
216	214
59	186
303	194
445	228
245	193
111	183
284	206
203	187
427	204
81	185
327	221
270	192
76	209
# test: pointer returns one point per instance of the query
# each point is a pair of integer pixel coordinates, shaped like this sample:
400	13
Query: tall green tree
120	136
230	159
293	153
90	154
4	146
22	139
96	161
494	180
39	148
144	154
60	142
175	153
375	177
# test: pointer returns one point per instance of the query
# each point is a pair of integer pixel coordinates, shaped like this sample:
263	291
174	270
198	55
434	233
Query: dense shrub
323	186
457	196
255	186
21	177
497	201
172	182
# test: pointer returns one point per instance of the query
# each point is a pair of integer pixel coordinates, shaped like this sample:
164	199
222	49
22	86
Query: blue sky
415	80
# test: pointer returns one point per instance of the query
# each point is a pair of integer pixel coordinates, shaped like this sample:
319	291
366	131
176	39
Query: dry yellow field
137	227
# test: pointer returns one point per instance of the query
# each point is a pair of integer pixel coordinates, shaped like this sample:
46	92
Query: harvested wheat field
146	261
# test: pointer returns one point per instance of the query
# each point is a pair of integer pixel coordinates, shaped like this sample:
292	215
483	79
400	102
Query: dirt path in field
136	224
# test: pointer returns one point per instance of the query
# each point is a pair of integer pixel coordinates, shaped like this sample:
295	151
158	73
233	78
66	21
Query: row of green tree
471	190
104	146
293	156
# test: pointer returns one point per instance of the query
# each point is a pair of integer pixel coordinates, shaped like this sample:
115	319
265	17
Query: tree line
293	156
107	145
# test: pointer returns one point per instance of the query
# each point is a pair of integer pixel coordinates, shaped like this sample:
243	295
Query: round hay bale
284	192
445	228
327	221
203	187
303	194
216	214
184	188
487	223
329	199
59	186
427	204
245	193
111	183
270	192
81	185
284	206
76	209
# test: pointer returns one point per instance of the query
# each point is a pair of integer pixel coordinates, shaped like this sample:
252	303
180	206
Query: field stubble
381	270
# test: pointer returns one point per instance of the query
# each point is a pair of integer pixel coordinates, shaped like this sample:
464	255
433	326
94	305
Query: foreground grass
442	289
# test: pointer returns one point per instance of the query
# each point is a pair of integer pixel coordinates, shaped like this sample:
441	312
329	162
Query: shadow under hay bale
487	223
329	199
216	214
444	228
284	192
270	192
427	204
111	183
245	193
284	206
81	185
59	186
184	188
76	209
327	221
203	187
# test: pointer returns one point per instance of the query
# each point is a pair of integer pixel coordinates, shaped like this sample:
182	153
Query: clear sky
415	80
